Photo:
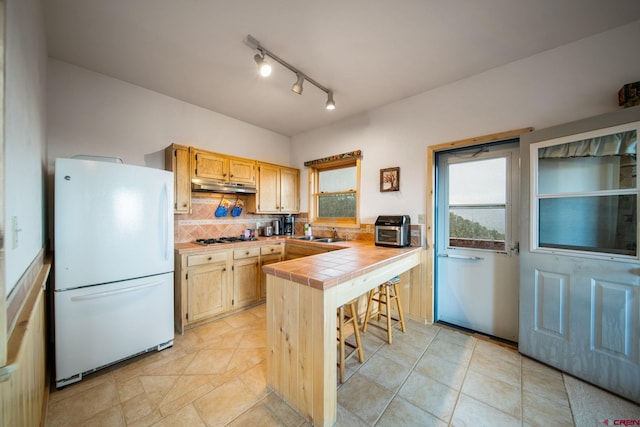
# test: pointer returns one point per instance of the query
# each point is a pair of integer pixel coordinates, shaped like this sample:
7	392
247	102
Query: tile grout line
455	405
566	392
395	394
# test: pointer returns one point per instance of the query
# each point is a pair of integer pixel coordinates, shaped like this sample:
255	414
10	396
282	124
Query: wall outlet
421	219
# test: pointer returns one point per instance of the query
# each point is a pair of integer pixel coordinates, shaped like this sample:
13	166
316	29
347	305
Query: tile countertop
345	261
329	269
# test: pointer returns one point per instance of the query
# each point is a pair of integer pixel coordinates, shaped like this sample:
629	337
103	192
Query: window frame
536	196
497	246
314	183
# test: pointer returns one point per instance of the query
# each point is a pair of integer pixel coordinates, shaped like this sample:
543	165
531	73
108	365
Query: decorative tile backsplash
203	223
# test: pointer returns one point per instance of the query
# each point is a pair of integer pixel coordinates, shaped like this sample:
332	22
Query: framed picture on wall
390	179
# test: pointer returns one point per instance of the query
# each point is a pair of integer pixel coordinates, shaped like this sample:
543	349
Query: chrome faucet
335	234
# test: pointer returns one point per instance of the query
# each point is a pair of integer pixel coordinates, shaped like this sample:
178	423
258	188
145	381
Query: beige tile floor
215	375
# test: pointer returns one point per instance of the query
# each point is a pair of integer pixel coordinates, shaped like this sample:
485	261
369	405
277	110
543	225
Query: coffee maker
289	225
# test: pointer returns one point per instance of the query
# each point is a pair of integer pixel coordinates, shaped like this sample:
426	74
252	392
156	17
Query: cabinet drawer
270	249
207	258
246	252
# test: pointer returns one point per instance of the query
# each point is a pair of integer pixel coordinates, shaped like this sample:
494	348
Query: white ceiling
369	52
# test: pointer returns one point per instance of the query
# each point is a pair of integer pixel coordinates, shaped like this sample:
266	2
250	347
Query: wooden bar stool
344	320
384	295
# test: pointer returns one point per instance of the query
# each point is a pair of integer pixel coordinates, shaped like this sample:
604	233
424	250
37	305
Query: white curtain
624	143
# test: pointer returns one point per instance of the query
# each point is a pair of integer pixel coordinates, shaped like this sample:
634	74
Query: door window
585	194
478	203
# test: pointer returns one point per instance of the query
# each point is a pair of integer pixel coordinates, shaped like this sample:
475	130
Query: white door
112	222
476	239
580	266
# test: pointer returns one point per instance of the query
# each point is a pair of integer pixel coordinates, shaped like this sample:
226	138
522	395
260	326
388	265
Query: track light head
330	105
297	86
263	65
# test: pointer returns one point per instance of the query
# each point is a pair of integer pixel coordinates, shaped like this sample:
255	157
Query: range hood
200	185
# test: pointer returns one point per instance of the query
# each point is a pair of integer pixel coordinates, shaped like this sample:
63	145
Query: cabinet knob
246	253
184	205
231	175
209	259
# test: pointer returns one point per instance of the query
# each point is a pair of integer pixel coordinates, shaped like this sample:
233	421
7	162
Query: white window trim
508	230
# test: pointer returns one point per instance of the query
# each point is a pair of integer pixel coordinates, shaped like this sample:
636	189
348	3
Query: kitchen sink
318	239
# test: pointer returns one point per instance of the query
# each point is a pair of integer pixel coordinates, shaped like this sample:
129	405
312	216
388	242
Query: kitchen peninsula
303	296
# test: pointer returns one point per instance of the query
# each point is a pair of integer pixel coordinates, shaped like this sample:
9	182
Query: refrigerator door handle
115	292
164	217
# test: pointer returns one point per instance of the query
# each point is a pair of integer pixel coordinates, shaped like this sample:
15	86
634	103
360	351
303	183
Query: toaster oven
393	230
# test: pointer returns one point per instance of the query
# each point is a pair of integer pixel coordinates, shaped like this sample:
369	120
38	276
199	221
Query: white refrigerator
113	290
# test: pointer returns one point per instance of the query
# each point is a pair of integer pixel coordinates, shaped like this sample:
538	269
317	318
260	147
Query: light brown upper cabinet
278	190
218	167
242	171
278	187
177	161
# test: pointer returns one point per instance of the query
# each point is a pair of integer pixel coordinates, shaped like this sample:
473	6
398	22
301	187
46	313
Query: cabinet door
268	189
242	171
266	260
209	165
207	291
294	251
177	161
289	194
245	282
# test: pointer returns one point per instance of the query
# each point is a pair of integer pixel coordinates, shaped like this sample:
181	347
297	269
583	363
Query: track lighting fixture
330	105
263	65
265	70
297	86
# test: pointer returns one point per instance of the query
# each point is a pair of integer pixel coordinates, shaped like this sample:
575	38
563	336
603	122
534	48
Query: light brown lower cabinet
213	283
201	287
268	255
246	263
294	251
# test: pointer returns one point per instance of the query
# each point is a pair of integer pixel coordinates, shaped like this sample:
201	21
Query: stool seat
385	294
344	320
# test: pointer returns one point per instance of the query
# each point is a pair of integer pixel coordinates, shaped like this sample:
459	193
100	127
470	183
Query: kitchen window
334	189
585	194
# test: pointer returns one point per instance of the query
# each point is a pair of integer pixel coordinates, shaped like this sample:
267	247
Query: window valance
350	155
617	144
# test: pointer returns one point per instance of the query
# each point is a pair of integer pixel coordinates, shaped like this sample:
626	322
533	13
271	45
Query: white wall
25	148
90	113
564	84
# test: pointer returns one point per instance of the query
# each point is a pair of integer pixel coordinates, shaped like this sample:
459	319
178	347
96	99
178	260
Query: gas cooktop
220	240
